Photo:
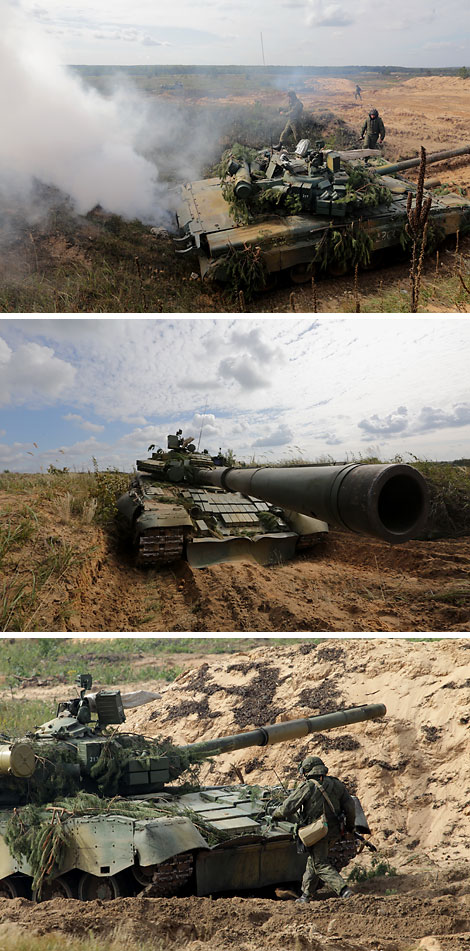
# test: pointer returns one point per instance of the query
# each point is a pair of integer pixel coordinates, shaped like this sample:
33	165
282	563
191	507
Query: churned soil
424	912
410	770
347	583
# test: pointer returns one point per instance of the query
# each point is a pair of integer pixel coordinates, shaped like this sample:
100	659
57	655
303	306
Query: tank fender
156	840
100	845
8	864
171	516
129	506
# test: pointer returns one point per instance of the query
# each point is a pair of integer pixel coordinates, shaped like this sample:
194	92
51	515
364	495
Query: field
64	568
409	770
101	263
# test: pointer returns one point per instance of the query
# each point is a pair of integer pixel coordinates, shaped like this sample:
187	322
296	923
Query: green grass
111	658
14	939
16	719
378	869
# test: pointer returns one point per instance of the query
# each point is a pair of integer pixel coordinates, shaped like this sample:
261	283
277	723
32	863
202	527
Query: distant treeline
266	72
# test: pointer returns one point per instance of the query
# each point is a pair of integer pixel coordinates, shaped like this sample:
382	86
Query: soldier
357	92
374	128
292	126
320	795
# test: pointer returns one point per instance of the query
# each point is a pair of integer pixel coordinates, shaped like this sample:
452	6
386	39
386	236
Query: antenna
202	424
262	49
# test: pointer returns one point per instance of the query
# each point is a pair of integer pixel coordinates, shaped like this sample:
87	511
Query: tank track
170	877
306	542
160	546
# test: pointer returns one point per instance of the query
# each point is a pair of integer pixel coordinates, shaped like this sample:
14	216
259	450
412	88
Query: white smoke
57	131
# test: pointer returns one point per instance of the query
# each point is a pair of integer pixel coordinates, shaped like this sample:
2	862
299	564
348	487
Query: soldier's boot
346	892
303	900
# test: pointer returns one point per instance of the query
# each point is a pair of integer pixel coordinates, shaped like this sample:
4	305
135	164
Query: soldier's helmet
314	766
374	113
291	94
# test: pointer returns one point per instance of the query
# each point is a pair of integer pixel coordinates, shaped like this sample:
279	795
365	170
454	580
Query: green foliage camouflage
364	190
435	235
51	778
344	248
40	834
245	270
116	755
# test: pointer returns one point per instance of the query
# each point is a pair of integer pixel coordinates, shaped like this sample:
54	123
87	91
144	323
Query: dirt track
347	584
425	912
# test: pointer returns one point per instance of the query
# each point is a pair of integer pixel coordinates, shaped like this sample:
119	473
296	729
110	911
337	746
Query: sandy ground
431	111
409	769
347	584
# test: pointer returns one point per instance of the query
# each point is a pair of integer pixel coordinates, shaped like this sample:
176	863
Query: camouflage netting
39	834
114	760
54	776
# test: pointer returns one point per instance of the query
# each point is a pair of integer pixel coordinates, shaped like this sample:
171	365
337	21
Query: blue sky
311	32
269	388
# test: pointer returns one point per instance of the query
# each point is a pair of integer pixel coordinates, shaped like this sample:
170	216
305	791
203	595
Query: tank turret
183	505
304	212
140	764
89	813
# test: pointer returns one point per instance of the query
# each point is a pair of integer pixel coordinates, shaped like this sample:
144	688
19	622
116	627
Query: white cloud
323	385
83	423
327	14
280	436
33	374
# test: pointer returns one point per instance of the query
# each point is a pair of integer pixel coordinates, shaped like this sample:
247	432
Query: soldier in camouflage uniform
373	128
309	803
293	124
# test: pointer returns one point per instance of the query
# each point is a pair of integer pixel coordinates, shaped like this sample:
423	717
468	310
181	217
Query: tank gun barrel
385	501
287	730
414	162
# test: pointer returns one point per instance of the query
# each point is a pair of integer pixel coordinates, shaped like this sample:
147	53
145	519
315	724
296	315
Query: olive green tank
86	812
186	504
305	212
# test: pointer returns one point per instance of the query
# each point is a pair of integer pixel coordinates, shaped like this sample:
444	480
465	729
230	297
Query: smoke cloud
95	148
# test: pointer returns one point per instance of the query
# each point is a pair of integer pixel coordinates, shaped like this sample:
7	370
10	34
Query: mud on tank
87	812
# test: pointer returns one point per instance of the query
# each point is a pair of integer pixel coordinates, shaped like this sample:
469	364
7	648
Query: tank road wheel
94	886
166	879
160	546
301	273
11	887
55	888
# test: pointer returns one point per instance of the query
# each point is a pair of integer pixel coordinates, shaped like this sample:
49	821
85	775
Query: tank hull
289	242
108	856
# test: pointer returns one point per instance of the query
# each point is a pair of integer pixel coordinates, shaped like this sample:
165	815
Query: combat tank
185	504
305	212
121	830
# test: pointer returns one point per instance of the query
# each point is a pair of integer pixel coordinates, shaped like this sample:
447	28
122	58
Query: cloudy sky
307	32
71	389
